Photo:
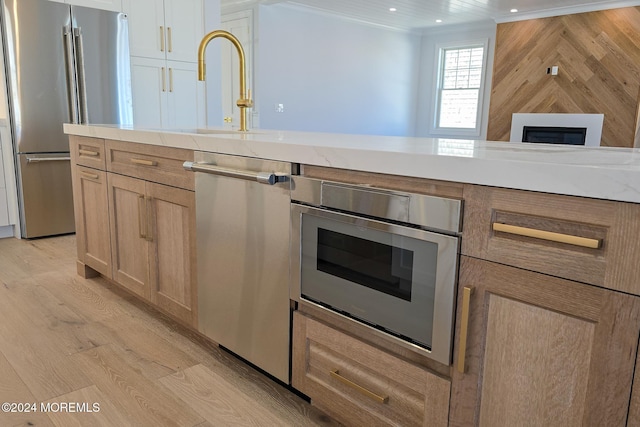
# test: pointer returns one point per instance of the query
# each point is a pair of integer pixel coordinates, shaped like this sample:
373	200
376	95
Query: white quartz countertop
602	173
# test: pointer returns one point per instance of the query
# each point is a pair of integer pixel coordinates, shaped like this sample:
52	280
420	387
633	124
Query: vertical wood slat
598	55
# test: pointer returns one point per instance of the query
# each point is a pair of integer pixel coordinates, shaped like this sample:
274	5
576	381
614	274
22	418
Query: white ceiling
414	14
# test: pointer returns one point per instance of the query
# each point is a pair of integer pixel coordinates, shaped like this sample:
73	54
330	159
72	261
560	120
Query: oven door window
382	274
384	268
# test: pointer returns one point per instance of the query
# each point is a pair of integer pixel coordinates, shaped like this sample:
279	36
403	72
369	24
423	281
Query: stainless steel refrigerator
64	64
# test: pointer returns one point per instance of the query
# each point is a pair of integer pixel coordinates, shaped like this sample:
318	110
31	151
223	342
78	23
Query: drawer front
151	163
587	240
361	385
88	152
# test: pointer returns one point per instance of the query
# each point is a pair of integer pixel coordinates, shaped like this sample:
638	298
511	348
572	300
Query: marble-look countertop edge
604	173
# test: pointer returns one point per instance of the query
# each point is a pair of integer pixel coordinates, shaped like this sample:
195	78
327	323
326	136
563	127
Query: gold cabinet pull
144	162
148	222
464	327
380	399
170	39
170	79
161	38
164	82
89	175
548	235
84	152
142	216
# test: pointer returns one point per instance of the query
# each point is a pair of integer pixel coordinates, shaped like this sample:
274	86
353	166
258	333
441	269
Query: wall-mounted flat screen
554	135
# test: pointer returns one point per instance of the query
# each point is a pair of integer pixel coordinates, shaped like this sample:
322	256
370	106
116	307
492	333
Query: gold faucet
245	101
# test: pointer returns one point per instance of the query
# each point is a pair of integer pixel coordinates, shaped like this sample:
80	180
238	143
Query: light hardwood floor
66	339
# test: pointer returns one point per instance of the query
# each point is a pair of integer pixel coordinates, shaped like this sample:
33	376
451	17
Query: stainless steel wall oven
386	259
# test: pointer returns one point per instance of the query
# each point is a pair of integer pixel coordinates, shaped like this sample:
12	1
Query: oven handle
269	178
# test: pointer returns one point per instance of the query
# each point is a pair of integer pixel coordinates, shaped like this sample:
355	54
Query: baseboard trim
6	231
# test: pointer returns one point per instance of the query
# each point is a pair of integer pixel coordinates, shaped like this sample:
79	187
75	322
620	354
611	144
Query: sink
207	131
215	131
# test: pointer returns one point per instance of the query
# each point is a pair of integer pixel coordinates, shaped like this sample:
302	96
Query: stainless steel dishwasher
242	221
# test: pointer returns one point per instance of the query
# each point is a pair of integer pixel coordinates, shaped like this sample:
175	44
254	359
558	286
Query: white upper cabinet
146	28
113	5
163	41
149	91
165	29
167	94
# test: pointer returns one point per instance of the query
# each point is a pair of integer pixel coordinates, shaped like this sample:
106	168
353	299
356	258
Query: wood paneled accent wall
599	58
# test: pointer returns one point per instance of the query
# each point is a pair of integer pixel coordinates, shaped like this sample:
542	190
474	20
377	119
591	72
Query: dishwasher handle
270	178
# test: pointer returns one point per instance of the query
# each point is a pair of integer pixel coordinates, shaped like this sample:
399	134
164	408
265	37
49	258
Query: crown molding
568	10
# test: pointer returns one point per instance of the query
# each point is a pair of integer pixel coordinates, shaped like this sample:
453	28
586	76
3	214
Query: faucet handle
245	102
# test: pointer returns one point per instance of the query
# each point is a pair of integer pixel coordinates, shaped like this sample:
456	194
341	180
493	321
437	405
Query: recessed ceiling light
438	20
392	9
514	10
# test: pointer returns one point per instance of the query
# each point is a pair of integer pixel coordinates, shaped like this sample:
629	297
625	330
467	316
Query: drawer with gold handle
362	390
153	163
144	162
360	384
89	175
575	238
90	153
548	235
87	151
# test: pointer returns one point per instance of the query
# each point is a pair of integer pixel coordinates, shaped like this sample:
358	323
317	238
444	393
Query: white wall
429	63
333	75
213	89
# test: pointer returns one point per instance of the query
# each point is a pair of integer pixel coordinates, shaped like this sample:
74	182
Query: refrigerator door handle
47	159
72	78
82	87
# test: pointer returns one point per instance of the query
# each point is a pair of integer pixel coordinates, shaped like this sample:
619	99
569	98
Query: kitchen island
553	325
601	173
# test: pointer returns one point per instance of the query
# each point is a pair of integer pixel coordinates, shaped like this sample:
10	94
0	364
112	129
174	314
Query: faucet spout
245	100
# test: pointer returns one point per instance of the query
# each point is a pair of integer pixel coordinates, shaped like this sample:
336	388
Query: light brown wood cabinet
551	341
153	243
91	206
360	384
128	221
172	250
612	226
153	225
543	350
135	213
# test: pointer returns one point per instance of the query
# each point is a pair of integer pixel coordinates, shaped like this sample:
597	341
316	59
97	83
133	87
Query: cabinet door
543	350
184	29
172	262
112	5
185	97
147	31
129	228
92	218
149	90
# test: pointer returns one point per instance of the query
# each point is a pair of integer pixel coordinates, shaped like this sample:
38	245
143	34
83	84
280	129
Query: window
459	90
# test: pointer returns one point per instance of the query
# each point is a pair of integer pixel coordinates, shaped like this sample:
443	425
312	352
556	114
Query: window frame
440	49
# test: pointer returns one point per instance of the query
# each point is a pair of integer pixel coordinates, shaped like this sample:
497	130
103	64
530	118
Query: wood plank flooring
69	340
